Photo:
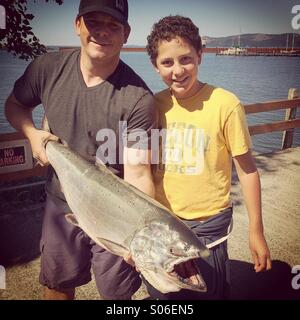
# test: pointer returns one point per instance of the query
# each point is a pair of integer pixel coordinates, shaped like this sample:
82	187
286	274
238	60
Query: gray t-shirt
76	112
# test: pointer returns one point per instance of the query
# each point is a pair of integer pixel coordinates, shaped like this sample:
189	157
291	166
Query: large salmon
122	219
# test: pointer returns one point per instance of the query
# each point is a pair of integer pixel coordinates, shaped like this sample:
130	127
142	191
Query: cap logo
120	5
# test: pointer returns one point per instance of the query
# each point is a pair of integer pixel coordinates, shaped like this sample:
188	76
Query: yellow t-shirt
199	136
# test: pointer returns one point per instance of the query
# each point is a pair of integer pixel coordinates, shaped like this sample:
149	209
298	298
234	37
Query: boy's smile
177	63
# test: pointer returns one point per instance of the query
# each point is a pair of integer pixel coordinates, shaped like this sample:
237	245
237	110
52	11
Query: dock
257	52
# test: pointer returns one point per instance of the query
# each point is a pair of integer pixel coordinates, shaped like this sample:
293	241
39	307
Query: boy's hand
38	140
260	252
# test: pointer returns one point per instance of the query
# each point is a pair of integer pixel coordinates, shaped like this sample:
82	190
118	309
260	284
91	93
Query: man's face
102	37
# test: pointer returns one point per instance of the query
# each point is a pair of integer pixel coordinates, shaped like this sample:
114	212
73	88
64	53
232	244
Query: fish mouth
188	273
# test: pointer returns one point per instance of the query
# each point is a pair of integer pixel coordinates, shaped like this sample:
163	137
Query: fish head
166	254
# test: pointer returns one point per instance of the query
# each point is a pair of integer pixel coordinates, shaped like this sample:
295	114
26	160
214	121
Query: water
252	79
11	69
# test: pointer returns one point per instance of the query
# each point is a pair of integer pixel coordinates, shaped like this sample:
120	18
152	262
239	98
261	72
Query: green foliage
18	37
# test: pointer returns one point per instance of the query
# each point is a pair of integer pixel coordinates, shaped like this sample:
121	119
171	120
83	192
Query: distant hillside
254	40
259	40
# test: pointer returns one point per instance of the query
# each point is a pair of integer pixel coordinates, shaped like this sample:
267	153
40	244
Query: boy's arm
137	170
250	183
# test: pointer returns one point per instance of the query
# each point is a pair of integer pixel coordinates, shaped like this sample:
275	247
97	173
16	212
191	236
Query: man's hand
38	140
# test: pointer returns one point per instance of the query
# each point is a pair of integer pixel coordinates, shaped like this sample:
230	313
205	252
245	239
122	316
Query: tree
18	37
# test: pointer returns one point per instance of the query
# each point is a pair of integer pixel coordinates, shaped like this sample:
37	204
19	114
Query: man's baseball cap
118	9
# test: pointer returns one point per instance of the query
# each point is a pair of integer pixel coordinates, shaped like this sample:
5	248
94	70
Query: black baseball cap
118	9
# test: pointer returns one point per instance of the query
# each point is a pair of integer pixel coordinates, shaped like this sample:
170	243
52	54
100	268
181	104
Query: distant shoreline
205	49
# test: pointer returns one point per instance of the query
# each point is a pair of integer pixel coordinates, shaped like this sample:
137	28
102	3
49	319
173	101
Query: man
84	91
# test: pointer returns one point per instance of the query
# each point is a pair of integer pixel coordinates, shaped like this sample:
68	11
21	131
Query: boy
205	129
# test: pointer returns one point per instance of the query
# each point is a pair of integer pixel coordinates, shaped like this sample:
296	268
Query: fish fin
61	188
113	247
71	218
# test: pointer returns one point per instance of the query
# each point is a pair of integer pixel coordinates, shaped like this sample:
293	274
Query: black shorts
68	254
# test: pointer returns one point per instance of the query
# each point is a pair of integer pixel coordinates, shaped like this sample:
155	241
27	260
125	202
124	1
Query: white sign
15	156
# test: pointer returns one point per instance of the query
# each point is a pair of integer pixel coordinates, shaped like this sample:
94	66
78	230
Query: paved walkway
280	178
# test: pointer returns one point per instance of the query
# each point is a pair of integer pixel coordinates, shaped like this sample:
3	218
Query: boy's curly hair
169	28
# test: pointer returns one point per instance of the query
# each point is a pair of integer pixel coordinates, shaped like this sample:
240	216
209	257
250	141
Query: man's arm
250	183
20	118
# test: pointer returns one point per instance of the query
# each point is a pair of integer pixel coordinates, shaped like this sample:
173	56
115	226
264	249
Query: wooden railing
287	126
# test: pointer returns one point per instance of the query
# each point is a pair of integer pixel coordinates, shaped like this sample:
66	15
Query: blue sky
53	24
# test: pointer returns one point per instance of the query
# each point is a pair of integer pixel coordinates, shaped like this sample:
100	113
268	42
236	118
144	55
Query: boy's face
177	63
101	35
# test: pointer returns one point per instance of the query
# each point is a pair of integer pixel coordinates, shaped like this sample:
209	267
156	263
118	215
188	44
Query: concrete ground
280	178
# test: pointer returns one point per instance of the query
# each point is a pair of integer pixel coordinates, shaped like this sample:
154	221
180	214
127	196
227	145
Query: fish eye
176	252
187	247
173	252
